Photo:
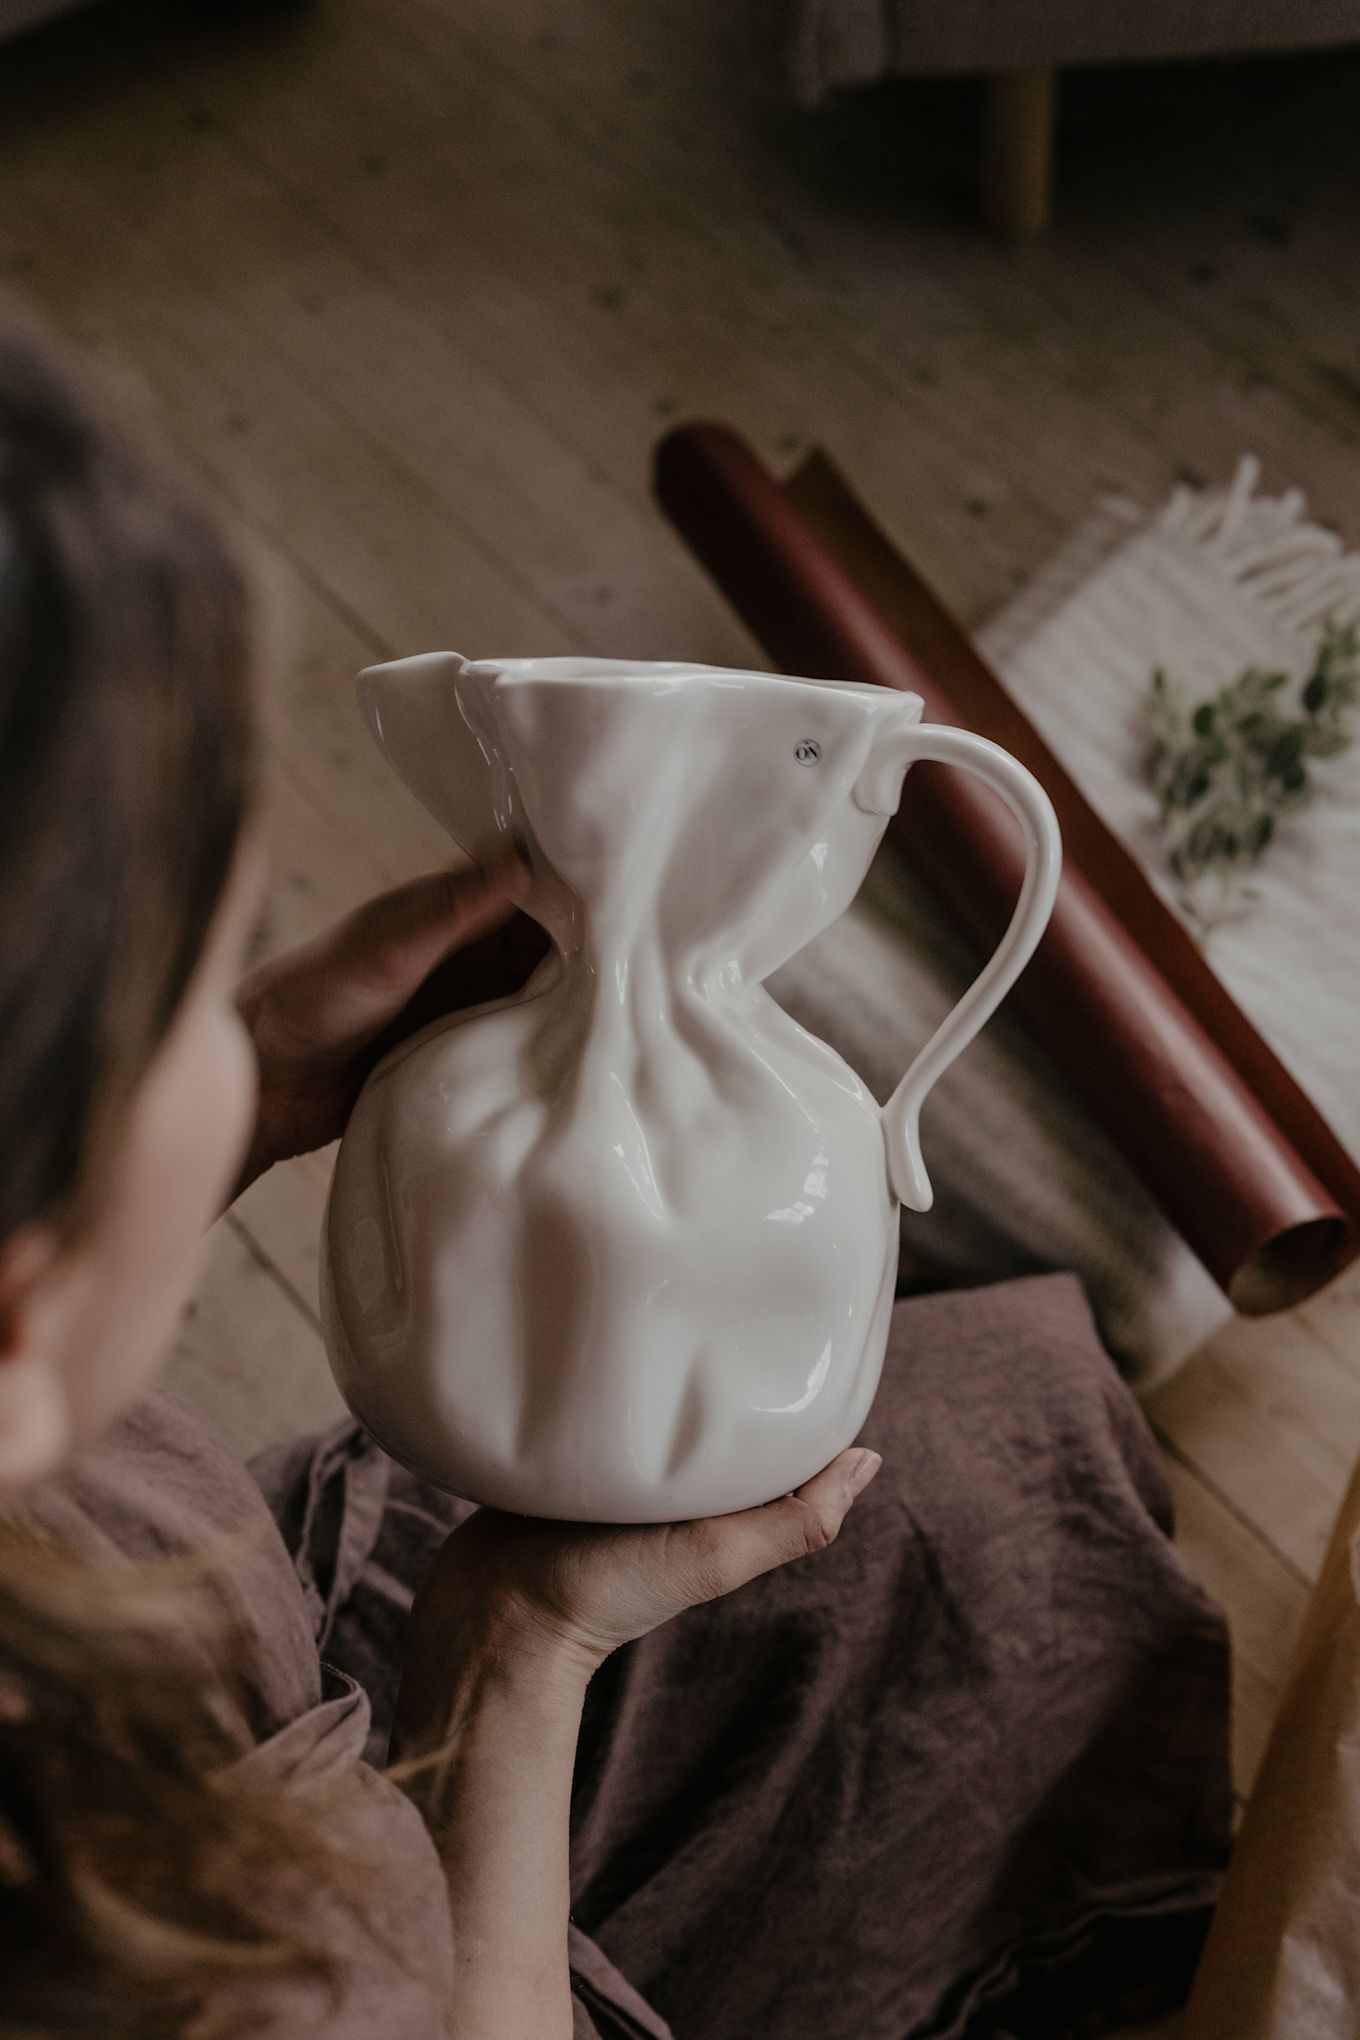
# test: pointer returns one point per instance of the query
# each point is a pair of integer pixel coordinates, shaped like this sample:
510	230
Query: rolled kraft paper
1280	1962
1264	1222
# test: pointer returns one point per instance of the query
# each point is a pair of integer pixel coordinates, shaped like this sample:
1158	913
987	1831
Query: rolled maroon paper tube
1236	1189
920	620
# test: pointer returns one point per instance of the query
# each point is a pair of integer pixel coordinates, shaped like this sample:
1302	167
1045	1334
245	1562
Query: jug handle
1033	809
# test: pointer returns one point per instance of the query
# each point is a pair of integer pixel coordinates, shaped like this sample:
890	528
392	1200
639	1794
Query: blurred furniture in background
18	14
1019	48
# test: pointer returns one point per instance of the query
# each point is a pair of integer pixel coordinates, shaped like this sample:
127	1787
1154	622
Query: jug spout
428	717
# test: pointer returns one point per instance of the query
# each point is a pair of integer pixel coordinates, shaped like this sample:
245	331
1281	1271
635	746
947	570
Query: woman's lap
954	1774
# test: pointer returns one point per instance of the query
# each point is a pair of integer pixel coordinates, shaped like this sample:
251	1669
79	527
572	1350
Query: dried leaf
1228	768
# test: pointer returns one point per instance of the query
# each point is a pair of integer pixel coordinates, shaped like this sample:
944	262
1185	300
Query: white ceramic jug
622	1248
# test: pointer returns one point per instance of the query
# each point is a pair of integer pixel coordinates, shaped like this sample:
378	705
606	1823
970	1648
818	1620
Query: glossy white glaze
622	1248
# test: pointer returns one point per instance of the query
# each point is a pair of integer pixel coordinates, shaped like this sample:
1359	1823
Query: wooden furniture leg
1017	151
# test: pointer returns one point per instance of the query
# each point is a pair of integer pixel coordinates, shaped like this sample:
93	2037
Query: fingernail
863	1470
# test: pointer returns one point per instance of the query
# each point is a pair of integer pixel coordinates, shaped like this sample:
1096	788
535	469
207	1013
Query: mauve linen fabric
964	1773
159	1486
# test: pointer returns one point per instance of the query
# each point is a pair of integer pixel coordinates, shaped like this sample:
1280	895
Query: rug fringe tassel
1299	572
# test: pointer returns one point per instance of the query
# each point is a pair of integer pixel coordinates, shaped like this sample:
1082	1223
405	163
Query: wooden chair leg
1017	151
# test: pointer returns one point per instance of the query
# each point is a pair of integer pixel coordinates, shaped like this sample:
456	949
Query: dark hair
139	1878
127	761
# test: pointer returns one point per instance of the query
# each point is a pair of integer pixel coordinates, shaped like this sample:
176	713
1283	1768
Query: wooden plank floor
415	287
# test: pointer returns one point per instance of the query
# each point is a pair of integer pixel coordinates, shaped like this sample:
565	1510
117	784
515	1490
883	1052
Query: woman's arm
485	1744
513	1619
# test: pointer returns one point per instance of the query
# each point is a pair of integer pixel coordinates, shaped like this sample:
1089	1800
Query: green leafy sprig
1230	770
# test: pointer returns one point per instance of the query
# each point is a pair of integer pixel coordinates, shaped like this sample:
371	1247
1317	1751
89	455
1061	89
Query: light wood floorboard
415	288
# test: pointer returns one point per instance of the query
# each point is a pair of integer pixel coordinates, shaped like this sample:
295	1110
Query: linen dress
965	1773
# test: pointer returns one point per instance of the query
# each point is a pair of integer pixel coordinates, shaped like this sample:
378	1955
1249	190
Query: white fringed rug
1216	581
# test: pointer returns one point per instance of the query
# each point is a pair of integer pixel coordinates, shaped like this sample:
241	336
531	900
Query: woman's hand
513	1618
569	1593
321	1015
